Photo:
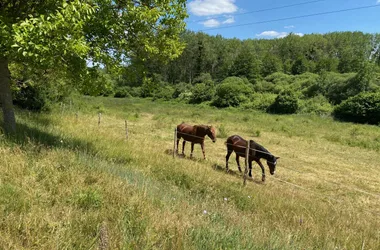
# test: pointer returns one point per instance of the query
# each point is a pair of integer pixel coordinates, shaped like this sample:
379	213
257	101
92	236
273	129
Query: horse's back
183	127
236	143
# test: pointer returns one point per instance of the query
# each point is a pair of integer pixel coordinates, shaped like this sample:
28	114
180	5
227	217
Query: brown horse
194	134
256	152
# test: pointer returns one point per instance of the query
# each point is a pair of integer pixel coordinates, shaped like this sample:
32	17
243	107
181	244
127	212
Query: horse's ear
277	157
209	126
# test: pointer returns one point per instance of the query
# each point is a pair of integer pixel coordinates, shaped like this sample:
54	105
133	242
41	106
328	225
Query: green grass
63	177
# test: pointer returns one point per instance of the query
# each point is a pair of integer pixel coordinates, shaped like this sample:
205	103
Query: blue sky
213	16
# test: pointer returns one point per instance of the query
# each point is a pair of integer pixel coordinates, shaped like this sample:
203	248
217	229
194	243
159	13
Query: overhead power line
262	10
295	17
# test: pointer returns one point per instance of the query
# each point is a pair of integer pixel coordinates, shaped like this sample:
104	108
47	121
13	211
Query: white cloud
212	7
211	23
378	1
276	34
231	20
292	26
272	33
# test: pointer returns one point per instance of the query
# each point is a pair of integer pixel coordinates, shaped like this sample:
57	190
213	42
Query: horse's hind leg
238	162
192	149
183	147
178	138
203	151
229	152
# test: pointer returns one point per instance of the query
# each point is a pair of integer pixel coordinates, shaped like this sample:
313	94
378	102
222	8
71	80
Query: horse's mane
259	147
199	128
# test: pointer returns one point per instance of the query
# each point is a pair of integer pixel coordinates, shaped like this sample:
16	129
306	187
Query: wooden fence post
126	129
99	117
175	142
246	163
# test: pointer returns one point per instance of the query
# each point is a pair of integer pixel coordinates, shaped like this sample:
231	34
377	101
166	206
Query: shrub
122	92
29	96
180	88
165	93
202	93
279	78
285	103
362	108
136	92
233	91
318	105
148	87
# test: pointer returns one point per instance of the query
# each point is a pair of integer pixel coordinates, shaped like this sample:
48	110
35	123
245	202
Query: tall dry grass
64	178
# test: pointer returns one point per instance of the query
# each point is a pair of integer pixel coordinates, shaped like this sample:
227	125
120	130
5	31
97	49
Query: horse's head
272	162
211	133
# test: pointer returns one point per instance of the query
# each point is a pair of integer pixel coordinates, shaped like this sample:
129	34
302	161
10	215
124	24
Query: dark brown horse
194	134
256	152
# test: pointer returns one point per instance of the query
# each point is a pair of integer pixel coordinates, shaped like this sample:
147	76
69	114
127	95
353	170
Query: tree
64	35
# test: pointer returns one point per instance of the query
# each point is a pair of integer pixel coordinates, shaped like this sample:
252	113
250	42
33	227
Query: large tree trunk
6	97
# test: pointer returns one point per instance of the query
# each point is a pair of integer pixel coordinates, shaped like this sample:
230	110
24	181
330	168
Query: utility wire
262	10
295	17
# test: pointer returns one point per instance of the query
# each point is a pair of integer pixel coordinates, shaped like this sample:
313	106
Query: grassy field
67	183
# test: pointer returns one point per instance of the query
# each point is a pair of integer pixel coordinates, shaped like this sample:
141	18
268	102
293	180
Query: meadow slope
67	182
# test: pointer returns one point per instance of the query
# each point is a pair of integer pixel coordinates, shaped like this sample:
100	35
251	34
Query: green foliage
203	78
165	92
285	103
181	87
149	87
270	64
29	96
122	92
318	105
300	66
97	82
260	101
233	91
363	108
202	93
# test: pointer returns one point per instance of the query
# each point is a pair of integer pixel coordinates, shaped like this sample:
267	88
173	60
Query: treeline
310	74
341	52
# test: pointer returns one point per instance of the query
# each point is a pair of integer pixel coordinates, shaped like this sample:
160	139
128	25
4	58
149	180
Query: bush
318	105
260	101
233	91
362	108
285	103
122	92
180	88
29	96
165	93
202	93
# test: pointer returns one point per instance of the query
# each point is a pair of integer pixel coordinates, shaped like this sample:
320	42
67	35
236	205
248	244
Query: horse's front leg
250	168
237	161
176	150
203	151
262	170
192	149
227	158
183	147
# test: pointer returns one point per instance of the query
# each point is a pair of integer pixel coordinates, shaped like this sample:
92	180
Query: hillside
69	183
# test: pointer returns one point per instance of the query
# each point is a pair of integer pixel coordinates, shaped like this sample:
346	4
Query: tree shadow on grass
27	134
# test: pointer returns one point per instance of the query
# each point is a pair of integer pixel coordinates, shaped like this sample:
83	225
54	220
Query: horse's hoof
263	178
